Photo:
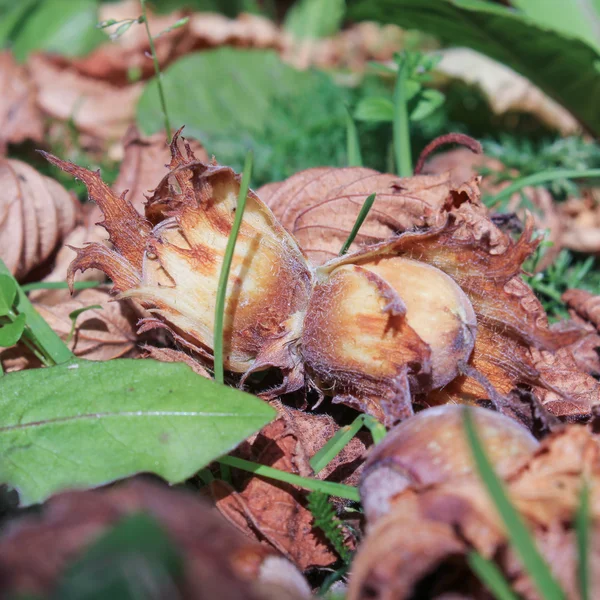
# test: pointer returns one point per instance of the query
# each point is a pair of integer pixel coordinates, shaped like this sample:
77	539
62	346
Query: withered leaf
36	214
20	118
276	511
218	561
585	304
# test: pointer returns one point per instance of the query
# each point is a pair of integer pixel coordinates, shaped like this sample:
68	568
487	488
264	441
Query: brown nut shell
431	448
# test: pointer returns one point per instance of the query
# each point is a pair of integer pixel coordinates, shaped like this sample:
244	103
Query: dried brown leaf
585	304
20	118
170	355
218	561
275	511
96	107
581	218
36	214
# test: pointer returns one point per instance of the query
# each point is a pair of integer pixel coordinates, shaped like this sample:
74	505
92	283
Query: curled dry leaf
506	90
422	542
218	562
273	511
170	355
20	118
100	334
351	328
36	214
585	305
581	217
96	107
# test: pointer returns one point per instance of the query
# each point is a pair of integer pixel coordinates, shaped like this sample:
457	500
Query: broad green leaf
427	103
130	559
8	293
220	90
11	333
566	68
311	19
85	424
375	109
12	14
65	27
578	18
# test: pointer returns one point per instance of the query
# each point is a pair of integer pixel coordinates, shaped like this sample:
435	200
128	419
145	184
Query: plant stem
352	142
538	179
226	267
362	215
59	285
316	485
159	82
401	125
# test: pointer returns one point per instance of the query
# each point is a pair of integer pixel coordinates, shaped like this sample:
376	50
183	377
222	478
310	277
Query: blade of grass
491	576
315	485
538	179
342	438
226	267
401	130
517	531
43	335
59	285
582	530
352	142
362	215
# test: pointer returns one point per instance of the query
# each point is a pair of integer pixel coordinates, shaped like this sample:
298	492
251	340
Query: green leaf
11	333
311	19
11	16
566	68
85	424
518	534
8	293
375	109
75	313
225	90
427	103
134	559
579	19
61	26
352	142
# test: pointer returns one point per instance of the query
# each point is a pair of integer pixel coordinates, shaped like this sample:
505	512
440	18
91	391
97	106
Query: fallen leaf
36	214
506	90
218	562
581	218
100	334
585	304
95	106
276	511
171	355
20	118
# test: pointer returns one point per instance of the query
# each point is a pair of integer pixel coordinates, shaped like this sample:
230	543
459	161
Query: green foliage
520	41
311	19
234	100
84	424
134	559
491	576
529	157
567	271
521	540
60	26
362	215
327	521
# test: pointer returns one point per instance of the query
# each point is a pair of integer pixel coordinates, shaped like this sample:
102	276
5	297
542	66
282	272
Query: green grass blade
491	576
227	259
362	215
352	142
582	530
539	179
401	127
378	431
45	337
59	285
518	534
314	485
335	445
